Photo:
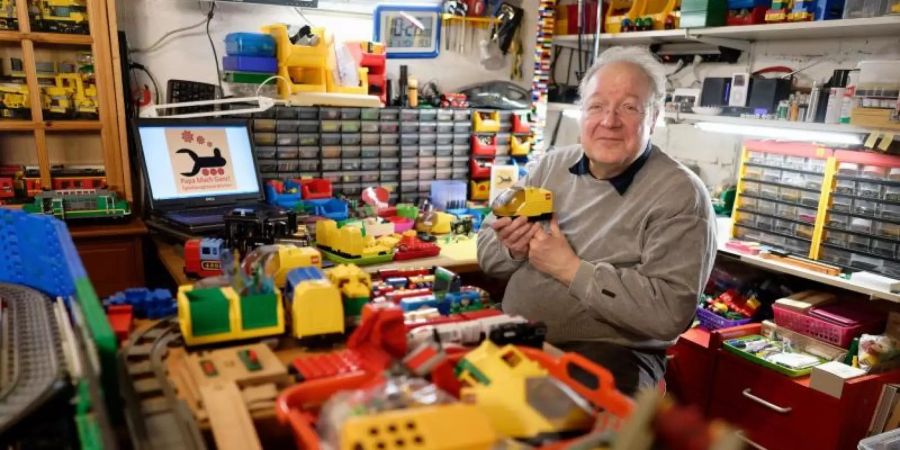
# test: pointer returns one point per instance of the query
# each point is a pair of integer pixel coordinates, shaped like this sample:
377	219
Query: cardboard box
831	376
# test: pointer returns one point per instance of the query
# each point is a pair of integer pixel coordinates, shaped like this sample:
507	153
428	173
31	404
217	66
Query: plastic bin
807	215
351	164
350	126
288	139
884	248
888	229
865	207
287	126
808	198
351	138
390	139
351	151
841	204
745	218
264	138
288	165
860	225
370	151
389	175
370	164
389	151
329	113
443	162
712	321
409	139
331	151
389	114
409	151
444	127
368	176
409	115
821	329
267	166
249	44
427	162
868	190
288	153
861	262
389	127
890	211
767	207
846	187
368	127
427	150
370	139
858	243
804	231
309	166
331	164
838	220
390	163
768	191
350	113
428	138
260	125
265	152
787	211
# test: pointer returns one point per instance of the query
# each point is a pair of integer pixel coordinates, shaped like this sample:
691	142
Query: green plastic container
731	347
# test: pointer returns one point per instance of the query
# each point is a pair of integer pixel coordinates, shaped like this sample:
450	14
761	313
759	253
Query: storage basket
820	329
712	321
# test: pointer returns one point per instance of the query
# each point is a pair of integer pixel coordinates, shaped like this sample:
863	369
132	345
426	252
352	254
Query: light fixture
791	134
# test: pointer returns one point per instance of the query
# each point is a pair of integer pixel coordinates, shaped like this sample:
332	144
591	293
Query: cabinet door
113	264
688	373
774	410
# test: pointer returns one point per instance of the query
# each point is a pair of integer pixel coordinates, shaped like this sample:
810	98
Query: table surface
458	256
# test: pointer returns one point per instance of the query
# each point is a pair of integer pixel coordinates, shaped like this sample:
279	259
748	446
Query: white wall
188	56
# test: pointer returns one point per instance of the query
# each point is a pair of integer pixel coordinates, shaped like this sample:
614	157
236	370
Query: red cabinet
689	369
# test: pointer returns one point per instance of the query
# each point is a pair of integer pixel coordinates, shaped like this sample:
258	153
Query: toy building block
229	419
316	188
520	146
211	315
147	304
703	13
479	190
411	247
288	258
203	256
355	286
316	304
121	320
484	145
429	427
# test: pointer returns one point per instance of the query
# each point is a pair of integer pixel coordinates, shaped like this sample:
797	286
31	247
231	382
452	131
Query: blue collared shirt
621	181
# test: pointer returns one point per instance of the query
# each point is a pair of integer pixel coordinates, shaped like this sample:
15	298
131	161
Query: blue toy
147	304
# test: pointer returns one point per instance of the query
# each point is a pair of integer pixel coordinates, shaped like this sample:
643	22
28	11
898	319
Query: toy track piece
156	418
31	352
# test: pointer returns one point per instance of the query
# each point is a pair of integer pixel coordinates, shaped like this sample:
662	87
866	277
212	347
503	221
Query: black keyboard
203	212
180	91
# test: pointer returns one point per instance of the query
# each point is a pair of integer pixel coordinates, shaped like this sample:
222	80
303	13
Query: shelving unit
679	117
108	128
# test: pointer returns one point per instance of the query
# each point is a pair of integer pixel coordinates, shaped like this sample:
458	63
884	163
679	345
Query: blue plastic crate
249	44
256	64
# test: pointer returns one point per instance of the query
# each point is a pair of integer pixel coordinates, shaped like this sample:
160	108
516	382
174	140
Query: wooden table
457	256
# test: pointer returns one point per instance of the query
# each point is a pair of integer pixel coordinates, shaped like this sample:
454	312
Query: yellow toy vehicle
315	302
288	258
14	101
8	19
532	202
71	96
355	286
61	16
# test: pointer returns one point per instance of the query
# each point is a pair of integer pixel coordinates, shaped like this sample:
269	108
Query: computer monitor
197	162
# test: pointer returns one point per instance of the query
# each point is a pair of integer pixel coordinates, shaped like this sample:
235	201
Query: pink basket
712	321
820	329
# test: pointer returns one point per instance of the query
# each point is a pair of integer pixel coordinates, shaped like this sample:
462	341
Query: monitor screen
190	160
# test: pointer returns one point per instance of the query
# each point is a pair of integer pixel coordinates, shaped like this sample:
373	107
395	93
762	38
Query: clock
411	31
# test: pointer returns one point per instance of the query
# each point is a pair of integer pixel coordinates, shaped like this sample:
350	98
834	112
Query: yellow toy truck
61	16
8	18
14	101
315	302
71	96
355	286
532	202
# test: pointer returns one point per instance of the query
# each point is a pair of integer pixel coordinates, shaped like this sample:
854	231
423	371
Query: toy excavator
532	202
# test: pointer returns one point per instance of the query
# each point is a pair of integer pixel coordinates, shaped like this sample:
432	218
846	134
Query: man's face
617	115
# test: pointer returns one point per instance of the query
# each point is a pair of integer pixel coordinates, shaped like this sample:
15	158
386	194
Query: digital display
406	33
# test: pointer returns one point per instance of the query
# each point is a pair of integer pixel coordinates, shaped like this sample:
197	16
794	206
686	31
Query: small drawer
773	175
443	174
370	113
462	127
370	151
892	193
808	198
884	248
427	162
444	115
860	225
865	207
333	177
839	257
846	187
502	149
389	114
848	169
815	165
350	126
443	150
265	152
836	238
807	215
425	186
389	127
264	138
459	173
887	229
267	165
368	127
794	162
409	139
287	126
753	173
350	113
768	191
267	114
745	218
427	115
461	162
409	163
427	150
288	153
307	112
389	175
805	231
841	204
757	157
793	178
444	139
409	174
352	188
390	163
774	159
329	113
331	164
461	138
892	269
390	139
409	191
351	138
874	172
426	174
370	164
351	151
784	226
838	220
787	211
894	174
858	261
428	138
409	151
444	127
428	127
858	243
369	176
750	203
288	139
751	188
389	151
747	234
351	164
772	239
797	246
813	181
331	139
868	190
789	194
409	127
443	162
263	125
350	177
460	150
288	165
370	139
462	115
890	211
765	223
308	126
331	151
285	112
503	138
309	166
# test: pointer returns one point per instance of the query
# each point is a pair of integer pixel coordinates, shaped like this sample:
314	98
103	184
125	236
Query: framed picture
412	31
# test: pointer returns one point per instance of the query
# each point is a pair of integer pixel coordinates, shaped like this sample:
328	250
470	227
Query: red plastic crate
821	329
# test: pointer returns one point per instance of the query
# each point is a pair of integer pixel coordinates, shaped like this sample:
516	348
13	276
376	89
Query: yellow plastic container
519	146
305	65
619	10
659	11
486	121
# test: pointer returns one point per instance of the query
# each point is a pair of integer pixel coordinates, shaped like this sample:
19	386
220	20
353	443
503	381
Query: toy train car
315	303
80	204
347	241
7	187
531	202
219	314
75	182
203	257
61	16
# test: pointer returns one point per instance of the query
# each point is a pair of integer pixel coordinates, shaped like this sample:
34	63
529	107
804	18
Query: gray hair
640	57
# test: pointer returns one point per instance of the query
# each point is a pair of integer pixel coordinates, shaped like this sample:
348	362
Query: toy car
532	202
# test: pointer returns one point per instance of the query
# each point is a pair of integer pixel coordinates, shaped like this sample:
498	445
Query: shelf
784	124
72	125
777	200
866	199
634	38
16	125
773	216
47	38
789	169
866	253
782	185
861	216
861	233
838	176
776	233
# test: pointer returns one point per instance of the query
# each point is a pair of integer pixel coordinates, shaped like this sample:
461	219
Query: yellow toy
70	95
486	121
519	146
288	258
354	284
14	101
517	394
480	190
316	304
8	18
532	202
63	16
439	223
435	427
211	315
619	10
347	241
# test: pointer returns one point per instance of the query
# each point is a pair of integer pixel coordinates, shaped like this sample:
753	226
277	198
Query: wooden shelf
16	125
834	29
47	38
72	125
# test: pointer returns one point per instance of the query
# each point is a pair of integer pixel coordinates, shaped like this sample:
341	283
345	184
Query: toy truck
532	202
14	101
61	16
355	286
8	18
70	96
79	204
316	305
213	315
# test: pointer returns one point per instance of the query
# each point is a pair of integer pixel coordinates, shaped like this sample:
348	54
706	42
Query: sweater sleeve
656	298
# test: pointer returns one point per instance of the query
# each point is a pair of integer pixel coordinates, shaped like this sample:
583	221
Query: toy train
8	18
532	202
60	16
73	204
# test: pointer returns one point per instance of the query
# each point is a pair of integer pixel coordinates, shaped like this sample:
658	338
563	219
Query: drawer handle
766	403
740	434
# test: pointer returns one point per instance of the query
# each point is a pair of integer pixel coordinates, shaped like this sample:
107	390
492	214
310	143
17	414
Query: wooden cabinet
113	255
689	368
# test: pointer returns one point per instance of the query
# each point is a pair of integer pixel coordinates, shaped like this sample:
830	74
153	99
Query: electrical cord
156	91
273	77
209	17
162	38
300	13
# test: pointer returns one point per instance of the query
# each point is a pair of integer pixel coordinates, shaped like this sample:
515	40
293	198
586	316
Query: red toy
7	187
411	247
520	124
315	188
203	257
384	274
60	183
121	320
454	100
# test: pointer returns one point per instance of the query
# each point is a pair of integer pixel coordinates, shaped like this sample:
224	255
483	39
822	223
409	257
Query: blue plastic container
257	64
249	44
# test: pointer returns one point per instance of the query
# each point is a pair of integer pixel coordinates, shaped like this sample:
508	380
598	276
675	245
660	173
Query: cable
300	13
156	91
273	77
209	17
162	38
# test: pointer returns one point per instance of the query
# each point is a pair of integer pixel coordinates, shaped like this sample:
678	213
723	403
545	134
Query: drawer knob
766	403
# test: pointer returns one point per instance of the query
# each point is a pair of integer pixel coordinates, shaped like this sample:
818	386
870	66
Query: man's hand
516	234
551	254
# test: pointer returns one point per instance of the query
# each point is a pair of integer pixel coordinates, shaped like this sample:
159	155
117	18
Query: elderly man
617	273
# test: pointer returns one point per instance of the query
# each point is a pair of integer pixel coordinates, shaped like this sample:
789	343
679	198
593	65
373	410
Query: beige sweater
646	254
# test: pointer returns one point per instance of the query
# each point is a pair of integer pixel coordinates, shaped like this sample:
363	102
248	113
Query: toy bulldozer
532	202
